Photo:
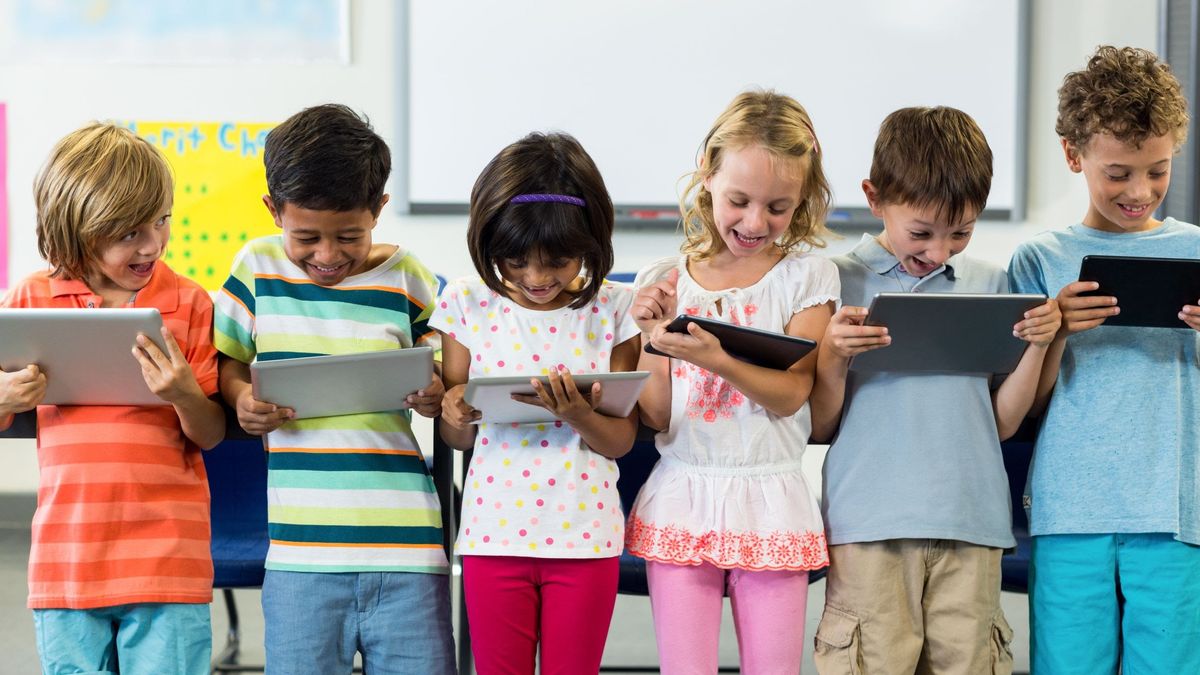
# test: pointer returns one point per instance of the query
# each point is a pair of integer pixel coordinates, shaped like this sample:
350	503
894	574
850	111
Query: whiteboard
639	82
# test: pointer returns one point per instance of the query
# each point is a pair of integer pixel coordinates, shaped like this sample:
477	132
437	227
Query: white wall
46	102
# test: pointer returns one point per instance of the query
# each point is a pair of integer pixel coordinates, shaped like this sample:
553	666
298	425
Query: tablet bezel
492	396
343	384
1149	291
947	332
94	345
764	348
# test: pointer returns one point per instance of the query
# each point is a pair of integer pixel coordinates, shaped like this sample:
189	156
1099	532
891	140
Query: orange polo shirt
122	512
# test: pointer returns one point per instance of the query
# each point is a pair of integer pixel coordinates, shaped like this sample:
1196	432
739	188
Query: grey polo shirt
917	455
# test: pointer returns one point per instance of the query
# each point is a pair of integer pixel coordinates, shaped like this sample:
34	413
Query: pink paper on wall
3	199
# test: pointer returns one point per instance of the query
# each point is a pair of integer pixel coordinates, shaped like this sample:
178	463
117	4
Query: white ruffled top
729	489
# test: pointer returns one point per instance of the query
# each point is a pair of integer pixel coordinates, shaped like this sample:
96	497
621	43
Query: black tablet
1149	291
947	332
752	345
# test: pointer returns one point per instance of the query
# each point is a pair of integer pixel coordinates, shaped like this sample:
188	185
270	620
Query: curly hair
782	126
1126	92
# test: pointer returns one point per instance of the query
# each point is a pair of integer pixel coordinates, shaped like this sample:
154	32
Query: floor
630	641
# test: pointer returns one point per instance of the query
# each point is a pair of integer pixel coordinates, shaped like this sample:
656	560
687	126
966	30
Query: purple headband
558	199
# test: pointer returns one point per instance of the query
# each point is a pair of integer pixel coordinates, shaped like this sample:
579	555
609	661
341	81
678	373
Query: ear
872	194
274	213
1073	156
379	209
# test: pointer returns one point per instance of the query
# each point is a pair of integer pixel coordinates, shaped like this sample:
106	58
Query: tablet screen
752	345
1149	291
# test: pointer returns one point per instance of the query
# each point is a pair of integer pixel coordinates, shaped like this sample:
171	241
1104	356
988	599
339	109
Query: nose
325	251
756	219
938	252
1139	189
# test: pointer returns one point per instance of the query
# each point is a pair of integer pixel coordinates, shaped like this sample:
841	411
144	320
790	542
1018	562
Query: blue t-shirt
917	455
1117	451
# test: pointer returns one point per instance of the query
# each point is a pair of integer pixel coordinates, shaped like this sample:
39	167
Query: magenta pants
515	603
768	616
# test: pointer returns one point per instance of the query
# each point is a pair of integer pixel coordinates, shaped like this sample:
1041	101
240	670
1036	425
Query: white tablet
492	396
343	384
87	354
947	332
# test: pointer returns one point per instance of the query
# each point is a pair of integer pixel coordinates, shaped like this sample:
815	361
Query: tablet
87	354
947	332
752	345
1149	291
492	396
343	384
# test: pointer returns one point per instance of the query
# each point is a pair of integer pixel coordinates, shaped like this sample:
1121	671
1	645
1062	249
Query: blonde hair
99	182
782	127
1123	91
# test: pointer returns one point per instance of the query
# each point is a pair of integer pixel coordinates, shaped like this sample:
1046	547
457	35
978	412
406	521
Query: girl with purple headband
727	508
542	527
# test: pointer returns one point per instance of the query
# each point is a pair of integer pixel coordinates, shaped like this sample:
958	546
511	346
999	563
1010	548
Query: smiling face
328	245
753	199
537	283
920	238
1126	184
125	266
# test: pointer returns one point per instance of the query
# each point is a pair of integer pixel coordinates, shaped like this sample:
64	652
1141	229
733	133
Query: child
541	518
120	574
728	507
916	500
356	560
1115	572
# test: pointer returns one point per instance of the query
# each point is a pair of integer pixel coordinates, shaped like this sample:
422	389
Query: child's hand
259	418
1084	312
1040	324
696	346
169	375
21	390
428	401
846	335
655	303
562	397
455	410
1191	315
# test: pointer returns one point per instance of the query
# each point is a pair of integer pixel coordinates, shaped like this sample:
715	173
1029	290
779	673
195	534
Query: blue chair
1018	451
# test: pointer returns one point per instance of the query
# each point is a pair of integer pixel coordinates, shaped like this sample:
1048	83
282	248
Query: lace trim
779	550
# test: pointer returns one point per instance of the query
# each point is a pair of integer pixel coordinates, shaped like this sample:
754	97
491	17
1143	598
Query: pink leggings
514	603
768	615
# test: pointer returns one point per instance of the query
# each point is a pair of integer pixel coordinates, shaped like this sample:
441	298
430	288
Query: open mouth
142	269
539	291
748	242
327	271
1132	211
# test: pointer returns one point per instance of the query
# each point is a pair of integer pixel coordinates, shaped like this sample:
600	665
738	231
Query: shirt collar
162	292
881	261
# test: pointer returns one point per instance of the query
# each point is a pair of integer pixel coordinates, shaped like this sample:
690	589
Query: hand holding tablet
752	345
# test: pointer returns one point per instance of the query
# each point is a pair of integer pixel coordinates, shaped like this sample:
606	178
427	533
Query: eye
129	236
348	240
918	235
962	235
514	263
163	222
307	241
777	210
1157	174
737	204
1116	178
558	263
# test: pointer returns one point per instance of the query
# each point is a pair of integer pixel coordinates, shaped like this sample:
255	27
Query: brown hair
932	158
783	128
1123	91
497	229
99	182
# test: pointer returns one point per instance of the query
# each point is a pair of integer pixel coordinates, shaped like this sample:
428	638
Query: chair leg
226	660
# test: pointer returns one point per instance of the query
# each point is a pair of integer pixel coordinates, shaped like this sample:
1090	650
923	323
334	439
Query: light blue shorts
149	639
1099	601
399	621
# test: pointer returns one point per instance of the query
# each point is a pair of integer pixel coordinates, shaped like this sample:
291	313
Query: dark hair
932	158
499	230
327	158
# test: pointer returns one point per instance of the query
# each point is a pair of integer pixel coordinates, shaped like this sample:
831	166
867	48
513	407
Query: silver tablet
87	354
492	396
343	384
947	332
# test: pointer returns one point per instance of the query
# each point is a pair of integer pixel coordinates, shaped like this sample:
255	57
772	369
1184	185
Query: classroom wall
46	102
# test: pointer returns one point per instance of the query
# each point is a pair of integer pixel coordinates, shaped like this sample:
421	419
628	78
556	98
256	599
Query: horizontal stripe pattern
347	493
123	503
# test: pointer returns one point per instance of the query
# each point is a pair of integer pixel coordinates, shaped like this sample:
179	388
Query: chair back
237	483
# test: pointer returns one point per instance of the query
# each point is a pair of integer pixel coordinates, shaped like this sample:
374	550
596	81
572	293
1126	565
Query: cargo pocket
838	646
1002	637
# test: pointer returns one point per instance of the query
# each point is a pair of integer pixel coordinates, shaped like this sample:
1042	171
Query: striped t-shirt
348	493
122	512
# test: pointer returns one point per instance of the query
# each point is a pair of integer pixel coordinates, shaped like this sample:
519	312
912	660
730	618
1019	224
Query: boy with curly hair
1113	490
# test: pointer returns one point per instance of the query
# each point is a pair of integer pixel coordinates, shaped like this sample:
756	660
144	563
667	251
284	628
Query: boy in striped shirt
356	560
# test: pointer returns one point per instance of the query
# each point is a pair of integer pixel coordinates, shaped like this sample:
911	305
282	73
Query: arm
170	377
1014	398
781	392
605	435
456	428
256	417
20	390
1079	313
654	305
845	336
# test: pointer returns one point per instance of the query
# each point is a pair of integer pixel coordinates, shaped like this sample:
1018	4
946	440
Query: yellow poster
219	184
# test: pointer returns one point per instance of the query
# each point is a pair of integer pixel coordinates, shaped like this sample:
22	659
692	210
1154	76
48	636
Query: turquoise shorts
145	639
1101	601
